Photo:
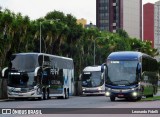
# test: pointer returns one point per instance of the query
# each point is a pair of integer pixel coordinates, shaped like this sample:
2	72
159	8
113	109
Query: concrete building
148	22
124	14
157	25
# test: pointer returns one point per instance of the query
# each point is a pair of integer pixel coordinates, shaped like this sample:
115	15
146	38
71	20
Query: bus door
56	81
45	80
147	81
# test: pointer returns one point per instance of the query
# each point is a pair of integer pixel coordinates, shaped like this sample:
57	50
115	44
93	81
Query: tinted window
23	62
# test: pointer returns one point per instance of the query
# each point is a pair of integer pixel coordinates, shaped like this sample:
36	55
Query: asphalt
158	94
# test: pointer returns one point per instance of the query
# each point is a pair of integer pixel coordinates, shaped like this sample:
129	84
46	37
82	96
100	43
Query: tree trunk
4	88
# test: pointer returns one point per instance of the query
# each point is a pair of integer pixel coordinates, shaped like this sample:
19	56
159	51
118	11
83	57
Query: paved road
82	102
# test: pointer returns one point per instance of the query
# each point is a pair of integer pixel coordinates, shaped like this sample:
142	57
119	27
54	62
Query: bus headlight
99	88
132	89
107	93
83	89
134	94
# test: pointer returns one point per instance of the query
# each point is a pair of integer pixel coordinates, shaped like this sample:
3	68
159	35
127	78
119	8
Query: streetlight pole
40	29
40	36
94	50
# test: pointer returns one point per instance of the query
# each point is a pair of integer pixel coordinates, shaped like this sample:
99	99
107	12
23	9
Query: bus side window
46	77
138	71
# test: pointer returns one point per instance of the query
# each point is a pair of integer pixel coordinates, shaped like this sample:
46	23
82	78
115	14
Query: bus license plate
120	95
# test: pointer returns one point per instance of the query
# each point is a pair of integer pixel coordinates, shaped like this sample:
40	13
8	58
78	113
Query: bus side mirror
37	71
103	67
4	73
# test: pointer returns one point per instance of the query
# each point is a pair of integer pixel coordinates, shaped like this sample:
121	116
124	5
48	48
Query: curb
2	100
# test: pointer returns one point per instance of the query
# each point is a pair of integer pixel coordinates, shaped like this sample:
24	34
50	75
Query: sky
39	8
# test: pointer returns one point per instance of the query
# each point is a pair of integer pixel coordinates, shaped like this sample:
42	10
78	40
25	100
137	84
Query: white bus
39	75
93	81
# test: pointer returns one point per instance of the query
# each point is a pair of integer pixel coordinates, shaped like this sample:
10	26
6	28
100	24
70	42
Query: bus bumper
131	94
18	93
93	92
23	95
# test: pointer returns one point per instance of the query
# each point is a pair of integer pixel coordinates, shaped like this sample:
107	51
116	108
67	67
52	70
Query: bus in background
131	75
39	75
93	81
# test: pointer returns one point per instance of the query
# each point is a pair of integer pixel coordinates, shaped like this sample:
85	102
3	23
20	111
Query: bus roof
56	61
43	54
126	55
92	68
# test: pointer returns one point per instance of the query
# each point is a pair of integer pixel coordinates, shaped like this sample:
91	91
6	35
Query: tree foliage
62	36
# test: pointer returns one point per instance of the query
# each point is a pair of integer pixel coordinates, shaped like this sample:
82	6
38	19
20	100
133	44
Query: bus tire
112	98
151	95
47	95
154	90
128	98
39	98
139	98
44	94
66	94
147	96
60	97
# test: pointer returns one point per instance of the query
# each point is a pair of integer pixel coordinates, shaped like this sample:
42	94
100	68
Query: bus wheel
139	98
60	97
128	99
44	94
112	98
66	94
155	90
47	94
147	96
39	98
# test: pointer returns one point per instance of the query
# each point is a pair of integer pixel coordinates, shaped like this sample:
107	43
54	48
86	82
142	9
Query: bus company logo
54	71
6	111
21	111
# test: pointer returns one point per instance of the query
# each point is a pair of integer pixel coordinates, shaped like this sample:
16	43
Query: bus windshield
92	79
21	80
121	72
26	62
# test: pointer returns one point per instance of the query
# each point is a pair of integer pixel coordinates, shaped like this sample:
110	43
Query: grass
151	98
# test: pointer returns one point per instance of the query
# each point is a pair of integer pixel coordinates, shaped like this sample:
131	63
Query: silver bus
93	81
39	75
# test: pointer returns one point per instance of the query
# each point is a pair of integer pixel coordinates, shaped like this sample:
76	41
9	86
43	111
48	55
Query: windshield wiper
93	83
121	81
